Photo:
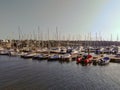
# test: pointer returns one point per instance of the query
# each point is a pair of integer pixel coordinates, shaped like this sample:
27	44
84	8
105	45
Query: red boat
88	59
84	59
79	59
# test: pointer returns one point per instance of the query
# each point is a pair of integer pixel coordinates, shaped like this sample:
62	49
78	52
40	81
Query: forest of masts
41	40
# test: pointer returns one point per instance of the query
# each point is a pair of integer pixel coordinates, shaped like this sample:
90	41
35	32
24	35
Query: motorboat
40	57
12	52
55	50
28	55
4	52
104	61
54	57
88	59
66	57
85	59
79	59
74	51
63	50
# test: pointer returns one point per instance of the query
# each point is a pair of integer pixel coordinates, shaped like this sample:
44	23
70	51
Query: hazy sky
72	18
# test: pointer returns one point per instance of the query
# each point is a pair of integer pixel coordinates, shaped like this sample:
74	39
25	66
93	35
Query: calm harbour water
21	74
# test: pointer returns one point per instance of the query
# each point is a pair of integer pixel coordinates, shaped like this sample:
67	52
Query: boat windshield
85	56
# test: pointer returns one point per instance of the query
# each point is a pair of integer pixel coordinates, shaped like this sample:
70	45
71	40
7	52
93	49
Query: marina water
23	74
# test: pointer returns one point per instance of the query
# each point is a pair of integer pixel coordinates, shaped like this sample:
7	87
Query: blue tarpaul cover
106	58
55	56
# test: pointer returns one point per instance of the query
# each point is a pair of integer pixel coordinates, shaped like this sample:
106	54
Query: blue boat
104	61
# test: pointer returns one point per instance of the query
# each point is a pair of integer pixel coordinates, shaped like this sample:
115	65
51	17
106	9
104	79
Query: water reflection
67	62
22	74
62	62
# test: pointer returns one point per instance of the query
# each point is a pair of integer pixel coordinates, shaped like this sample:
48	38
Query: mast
34	37
111	37
48	43
90	39
39	36
19	32
117	39
42	42
85	40
96	40
99	40
57	35
19	38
